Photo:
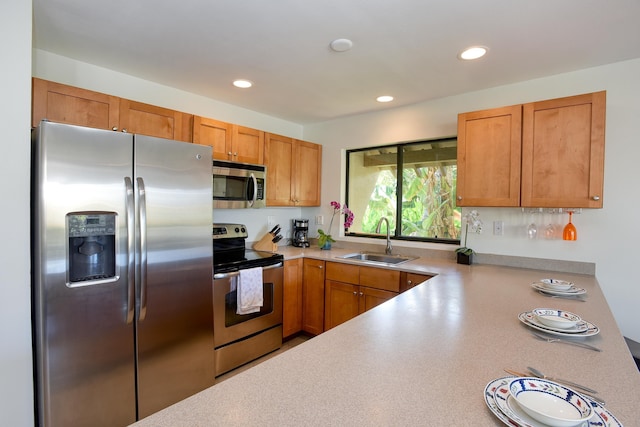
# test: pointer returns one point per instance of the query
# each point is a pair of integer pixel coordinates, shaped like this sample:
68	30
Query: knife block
266	244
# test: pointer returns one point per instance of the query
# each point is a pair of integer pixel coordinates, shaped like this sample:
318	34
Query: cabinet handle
459	197
361	293
115	128
596	198
235	154
355	293
124	131
409	282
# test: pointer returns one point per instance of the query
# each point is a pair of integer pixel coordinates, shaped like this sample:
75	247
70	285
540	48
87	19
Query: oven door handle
237	273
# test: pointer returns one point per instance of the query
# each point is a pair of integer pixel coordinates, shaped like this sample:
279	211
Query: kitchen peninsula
422	358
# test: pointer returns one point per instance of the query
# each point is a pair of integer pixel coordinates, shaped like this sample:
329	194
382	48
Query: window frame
398	209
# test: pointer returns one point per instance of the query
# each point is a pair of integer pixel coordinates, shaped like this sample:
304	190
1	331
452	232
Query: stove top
230	254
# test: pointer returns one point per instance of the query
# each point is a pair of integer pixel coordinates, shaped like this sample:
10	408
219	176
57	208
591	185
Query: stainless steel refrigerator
122	274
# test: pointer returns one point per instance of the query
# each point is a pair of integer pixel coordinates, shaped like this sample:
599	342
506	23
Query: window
419	202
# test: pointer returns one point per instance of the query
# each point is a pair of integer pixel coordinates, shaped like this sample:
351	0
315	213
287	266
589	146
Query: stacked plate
558	287
558	322
499	395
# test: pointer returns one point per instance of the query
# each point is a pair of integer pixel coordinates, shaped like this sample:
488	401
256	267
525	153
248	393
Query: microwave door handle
255	189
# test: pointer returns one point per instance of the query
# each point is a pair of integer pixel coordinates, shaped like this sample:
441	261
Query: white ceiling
404	48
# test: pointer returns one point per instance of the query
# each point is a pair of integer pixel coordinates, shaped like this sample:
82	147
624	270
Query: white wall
607	237
16	386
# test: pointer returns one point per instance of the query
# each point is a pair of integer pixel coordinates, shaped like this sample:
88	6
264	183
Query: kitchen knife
277	238
273	230
276	231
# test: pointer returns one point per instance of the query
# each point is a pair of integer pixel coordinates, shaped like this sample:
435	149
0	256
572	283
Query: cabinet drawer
345	273
379	278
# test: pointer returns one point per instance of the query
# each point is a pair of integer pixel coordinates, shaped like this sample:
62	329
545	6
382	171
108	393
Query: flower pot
326	246
465	259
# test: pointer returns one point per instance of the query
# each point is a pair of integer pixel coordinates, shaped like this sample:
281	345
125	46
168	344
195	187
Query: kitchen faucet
388	248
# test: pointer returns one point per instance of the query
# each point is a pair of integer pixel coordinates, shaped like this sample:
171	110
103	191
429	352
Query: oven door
228	326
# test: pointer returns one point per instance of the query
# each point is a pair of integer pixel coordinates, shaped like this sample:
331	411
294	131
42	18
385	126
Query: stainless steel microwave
239	185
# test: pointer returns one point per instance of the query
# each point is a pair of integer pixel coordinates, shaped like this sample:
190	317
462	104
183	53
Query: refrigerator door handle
142	211
254	197
131	288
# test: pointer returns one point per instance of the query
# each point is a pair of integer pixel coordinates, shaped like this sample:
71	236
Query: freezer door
175	271
84	345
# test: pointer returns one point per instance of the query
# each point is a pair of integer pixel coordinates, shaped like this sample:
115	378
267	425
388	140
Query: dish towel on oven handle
249	291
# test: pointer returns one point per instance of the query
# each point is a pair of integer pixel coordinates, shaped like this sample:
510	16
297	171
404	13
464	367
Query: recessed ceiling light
341	45
242	83
384	98
474	52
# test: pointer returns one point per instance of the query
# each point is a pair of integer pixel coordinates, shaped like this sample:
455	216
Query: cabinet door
247	145
489	152
292	297
307	173
341	303
369	297
313	296
563	152
345	273
71	105
409	280
380	278
215	134
145	119
279	159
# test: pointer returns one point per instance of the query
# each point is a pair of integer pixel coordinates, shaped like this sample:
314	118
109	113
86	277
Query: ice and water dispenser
92	246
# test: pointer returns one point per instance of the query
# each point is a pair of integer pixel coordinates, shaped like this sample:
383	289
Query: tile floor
286	345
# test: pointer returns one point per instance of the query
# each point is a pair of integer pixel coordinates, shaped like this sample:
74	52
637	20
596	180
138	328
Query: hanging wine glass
570	232
532	229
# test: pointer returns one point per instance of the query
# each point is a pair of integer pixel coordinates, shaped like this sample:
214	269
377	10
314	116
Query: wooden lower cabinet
292	297
344	301
409	280
313	296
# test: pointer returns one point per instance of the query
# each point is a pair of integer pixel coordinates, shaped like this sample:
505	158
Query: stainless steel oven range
241	338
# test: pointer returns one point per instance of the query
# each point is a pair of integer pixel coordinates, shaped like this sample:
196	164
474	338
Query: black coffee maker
300	233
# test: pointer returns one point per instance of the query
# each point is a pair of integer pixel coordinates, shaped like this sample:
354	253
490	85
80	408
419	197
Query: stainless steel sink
377	258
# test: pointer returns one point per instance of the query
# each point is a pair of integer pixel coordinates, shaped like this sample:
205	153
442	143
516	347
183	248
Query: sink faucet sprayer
388	248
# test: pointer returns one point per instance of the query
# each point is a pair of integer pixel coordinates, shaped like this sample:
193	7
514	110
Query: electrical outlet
498	228
319	220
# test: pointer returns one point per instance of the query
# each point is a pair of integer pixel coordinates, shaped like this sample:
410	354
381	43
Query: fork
560	340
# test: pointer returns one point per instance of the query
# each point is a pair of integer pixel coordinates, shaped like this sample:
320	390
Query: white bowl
556	285
558	319
550	403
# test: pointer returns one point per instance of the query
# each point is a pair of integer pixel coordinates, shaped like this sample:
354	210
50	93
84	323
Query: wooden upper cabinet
541	154
489	153
279	159
563	152
247	145
66	104
215	134
294	170
150	120
307	173
229	142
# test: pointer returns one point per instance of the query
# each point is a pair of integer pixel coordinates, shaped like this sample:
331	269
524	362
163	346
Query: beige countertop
422	358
